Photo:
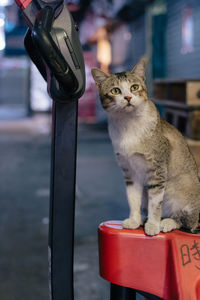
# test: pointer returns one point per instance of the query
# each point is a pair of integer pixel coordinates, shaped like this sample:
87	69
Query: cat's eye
116	91
134	87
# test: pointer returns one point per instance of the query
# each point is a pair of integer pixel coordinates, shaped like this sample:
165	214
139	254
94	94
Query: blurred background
114	34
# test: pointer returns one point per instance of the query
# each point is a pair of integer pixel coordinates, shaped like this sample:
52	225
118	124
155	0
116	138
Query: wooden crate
183	91
186	118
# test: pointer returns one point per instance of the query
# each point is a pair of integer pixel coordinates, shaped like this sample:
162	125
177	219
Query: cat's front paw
168	224
130	223
151	228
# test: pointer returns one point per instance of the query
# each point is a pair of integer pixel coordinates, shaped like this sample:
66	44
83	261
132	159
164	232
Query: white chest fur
124	138
128	134
128	131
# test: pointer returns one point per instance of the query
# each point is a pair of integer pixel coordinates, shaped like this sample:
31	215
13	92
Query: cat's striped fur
162	183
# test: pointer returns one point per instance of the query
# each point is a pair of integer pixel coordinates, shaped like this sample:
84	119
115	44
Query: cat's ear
99	76
140	68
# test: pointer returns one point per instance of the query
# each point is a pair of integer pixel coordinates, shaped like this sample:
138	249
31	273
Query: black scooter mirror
53	36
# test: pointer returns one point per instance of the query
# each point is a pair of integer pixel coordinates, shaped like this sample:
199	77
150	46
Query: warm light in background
103	49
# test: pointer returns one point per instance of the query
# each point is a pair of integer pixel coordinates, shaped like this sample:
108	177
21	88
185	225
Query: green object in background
159	21
160	108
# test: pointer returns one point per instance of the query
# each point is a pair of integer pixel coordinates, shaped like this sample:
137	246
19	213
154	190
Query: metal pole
118	292
62	200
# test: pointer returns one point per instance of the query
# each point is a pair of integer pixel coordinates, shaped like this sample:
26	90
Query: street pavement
24	193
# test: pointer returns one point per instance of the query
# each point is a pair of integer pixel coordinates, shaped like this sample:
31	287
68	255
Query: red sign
87	103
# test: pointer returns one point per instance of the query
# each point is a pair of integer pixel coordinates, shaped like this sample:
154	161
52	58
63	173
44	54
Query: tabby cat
162	183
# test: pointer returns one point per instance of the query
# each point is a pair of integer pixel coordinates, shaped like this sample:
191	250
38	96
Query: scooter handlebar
22	4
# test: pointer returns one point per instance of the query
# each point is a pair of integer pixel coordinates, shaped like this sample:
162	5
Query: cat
162	184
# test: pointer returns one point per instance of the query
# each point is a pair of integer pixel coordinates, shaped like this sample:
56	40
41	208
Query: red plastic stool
166	265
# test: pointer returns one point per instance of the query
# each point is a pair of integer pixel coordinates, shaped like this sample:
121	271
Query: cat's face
124	91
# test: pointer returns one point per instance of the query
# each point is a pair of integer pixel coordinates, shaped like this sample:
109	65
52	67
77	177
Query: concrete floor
24	194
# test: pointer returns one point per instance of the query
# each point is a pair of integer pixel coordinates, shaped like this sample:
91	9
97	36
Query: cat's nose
128	98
